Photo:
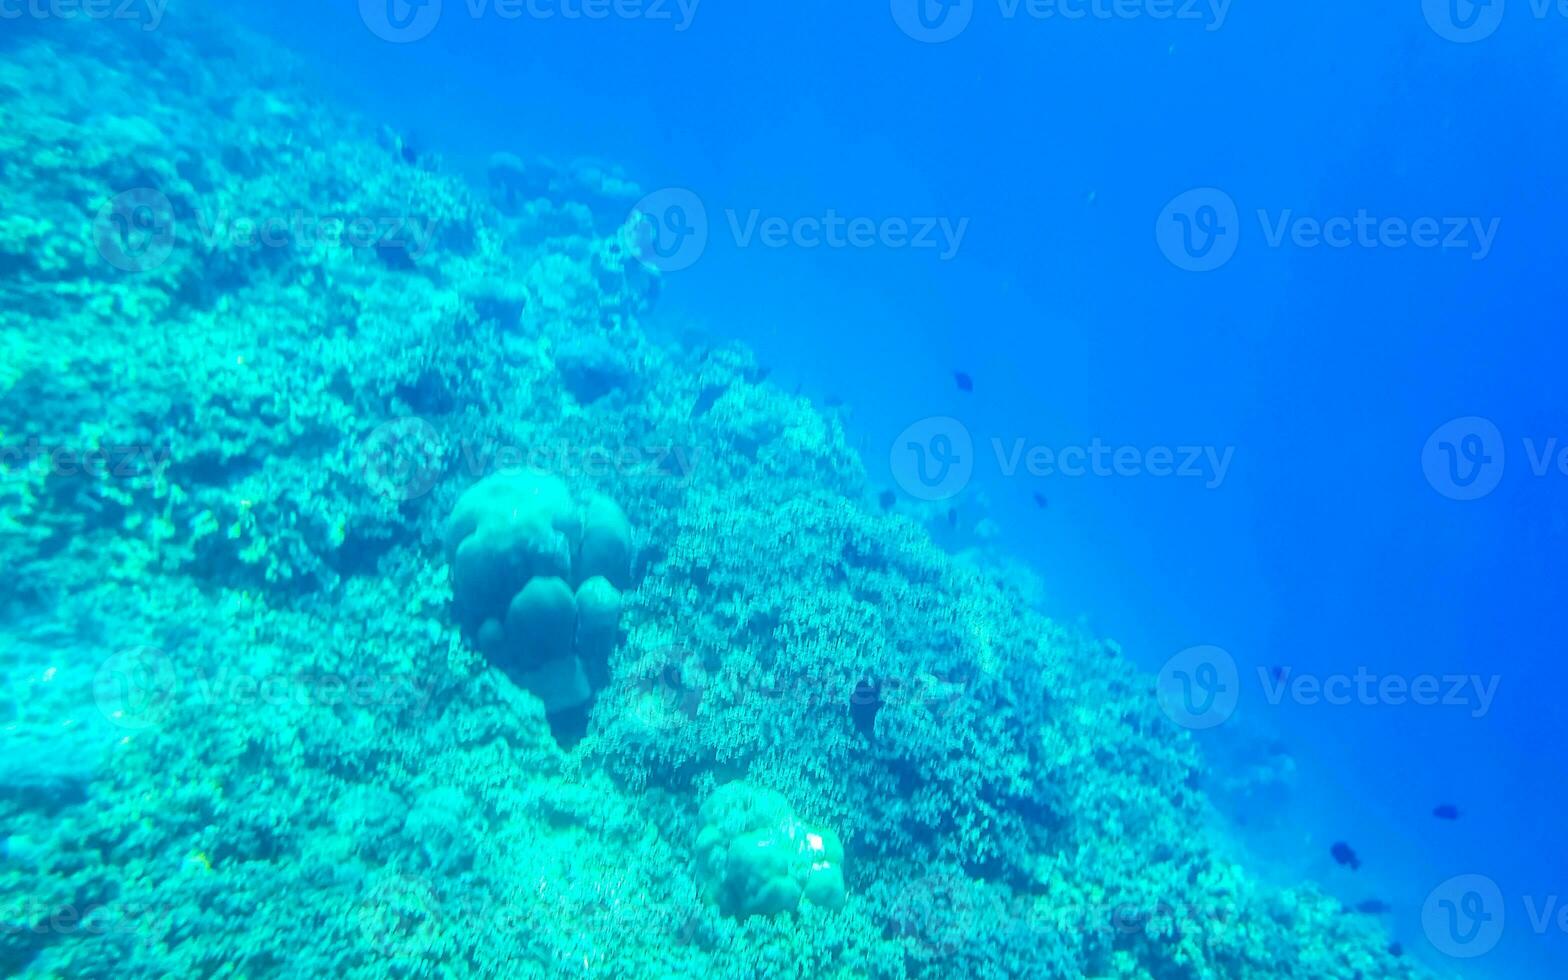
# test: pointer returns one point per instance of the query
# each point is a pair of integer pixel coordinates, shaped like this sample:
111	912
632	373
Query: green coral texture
300	698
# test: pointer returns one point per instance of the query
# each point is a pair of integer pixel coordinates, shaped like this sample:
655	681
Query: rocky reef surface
253	352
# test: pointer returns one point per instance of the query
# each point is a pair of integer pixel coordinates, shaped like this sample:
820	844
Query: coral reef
255	358
536	582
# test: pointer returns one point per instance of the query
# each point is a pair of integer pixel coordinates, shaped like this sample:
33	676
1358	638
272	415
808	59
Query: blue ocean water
1324	370
1242	327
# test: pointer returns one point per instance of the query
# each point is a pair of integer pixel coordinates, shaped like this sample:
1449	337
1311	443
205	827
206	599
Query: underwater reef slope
253	350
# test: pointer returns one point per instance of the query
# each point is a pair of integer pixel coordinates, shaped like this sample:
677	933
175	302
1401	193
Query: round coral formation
536	582
758	858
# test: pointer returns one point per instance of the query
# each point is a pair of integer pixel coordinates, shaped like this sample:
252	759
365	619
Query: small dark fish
1396	949
1279	674
409	152
888	499
863	707
1374	906
952	517
1447	811
965	382
833	401
1040	501
1345	856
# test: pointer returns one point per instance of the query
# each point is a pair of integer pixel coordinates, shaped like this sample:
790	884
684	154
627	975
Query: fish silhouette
1345	856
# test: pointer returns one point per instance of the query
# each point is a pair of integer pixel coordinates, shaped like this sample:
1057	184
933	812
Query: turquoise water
657	489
